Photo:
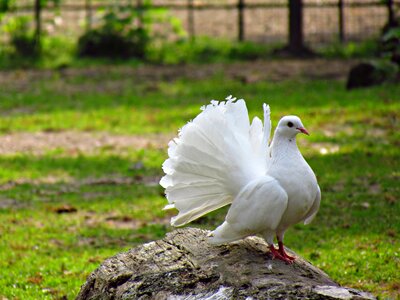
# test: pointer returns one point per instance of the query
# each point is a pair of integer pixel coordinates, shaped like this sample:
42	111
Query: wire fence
265	21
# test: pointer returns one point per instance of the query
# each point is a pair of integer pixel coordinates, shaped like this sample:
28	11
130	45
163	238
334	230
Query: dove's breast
301	186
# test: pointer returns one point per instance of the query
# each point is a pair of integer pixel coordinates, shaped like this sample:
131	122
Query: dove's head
290	126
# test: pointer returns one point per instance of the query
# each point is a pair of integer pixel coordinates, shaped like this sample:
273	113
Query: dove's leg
283	252
275	252
281	249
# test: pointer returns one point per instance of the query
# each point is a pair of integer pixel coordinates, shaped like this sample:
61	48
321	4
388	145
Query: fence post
139	9
391	17
88	9
341	20
190	8
240	7
38	25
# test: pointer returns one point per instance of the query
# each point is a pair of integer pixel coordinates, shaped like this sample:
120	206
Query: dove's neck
283	147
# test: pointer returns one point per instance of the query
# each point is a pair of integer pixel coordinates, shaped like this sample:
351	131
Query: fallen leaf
37	279
390	198
65	209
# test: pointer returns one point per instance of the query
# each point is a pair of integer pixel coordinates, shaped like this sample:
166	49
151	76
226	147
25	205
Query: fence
325	21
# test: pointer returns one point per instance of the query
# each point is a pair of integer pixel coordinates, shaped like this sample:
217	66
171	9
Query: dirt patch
72	185
74	142
112	220
46	191
7	203
116	78
267	69
40	181
146	180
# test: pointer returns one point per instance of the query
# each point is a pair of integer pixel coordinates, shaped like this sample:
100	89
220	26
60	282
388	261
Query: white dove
219	159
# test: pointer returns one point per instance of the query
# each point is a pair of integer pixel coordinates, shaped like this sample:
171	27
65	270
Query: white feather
212	159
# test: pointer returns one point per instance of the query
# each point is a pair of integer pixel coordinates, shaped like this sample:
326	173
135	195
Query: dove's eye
290	124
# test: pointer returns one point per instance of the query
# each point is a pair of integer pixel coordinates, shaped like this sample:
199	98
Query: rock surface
184	266
368	74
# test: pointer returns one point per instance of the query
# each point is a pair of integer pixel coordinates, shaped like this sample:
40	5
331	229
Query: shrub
248	51
21	37
113	44
126	32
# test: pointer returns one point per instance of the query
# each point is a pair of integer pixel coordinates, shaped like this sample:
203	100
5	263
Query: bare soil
116	77
72	142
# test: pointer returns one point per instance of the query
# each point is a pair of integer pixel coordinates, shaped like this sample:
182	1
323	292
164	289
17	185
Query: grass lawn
66	206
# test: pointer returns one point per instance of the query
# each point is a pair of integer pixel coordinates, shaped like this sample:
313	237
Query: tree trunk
190	20
38	25
240	7
295	46
341	20
391	14
296	26
88	10
185	266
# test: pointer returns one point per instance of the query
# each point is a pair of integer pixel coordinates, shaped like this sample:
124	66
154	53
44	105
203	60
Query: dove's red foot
283	252
277	254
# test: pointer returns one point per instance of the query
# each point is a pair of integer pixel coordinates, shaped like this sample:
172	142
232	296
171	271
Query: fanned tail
214	156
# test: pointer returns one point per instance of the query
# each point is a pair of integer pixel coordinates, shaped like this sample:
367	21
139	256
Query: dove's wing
258	208
212	160
314	208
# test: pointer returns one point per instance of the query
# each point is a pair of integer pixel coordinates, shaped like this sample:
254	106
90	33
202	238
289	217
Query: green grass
46	254
365	49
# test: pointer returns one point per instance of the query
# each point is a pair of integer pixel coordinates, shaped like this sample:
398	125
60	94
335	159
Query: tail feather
168	181
202	202
207	205
211	160
181	169
192	155
205	136
196	190
185	165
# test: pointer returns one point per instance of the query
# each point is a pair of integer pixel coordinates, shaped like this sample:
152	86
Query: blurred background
92	91
63	29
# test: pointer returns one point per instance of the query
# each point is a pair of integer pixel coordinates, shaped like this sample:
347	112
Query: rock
184	266
371	73
363	75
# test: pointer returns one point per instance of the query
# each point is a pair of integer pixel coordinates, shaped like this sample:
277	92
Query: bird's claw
276	254
283	252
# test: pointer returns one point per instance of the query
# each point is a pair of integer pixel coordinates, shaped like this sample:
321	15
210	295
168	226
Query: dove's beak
303	130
